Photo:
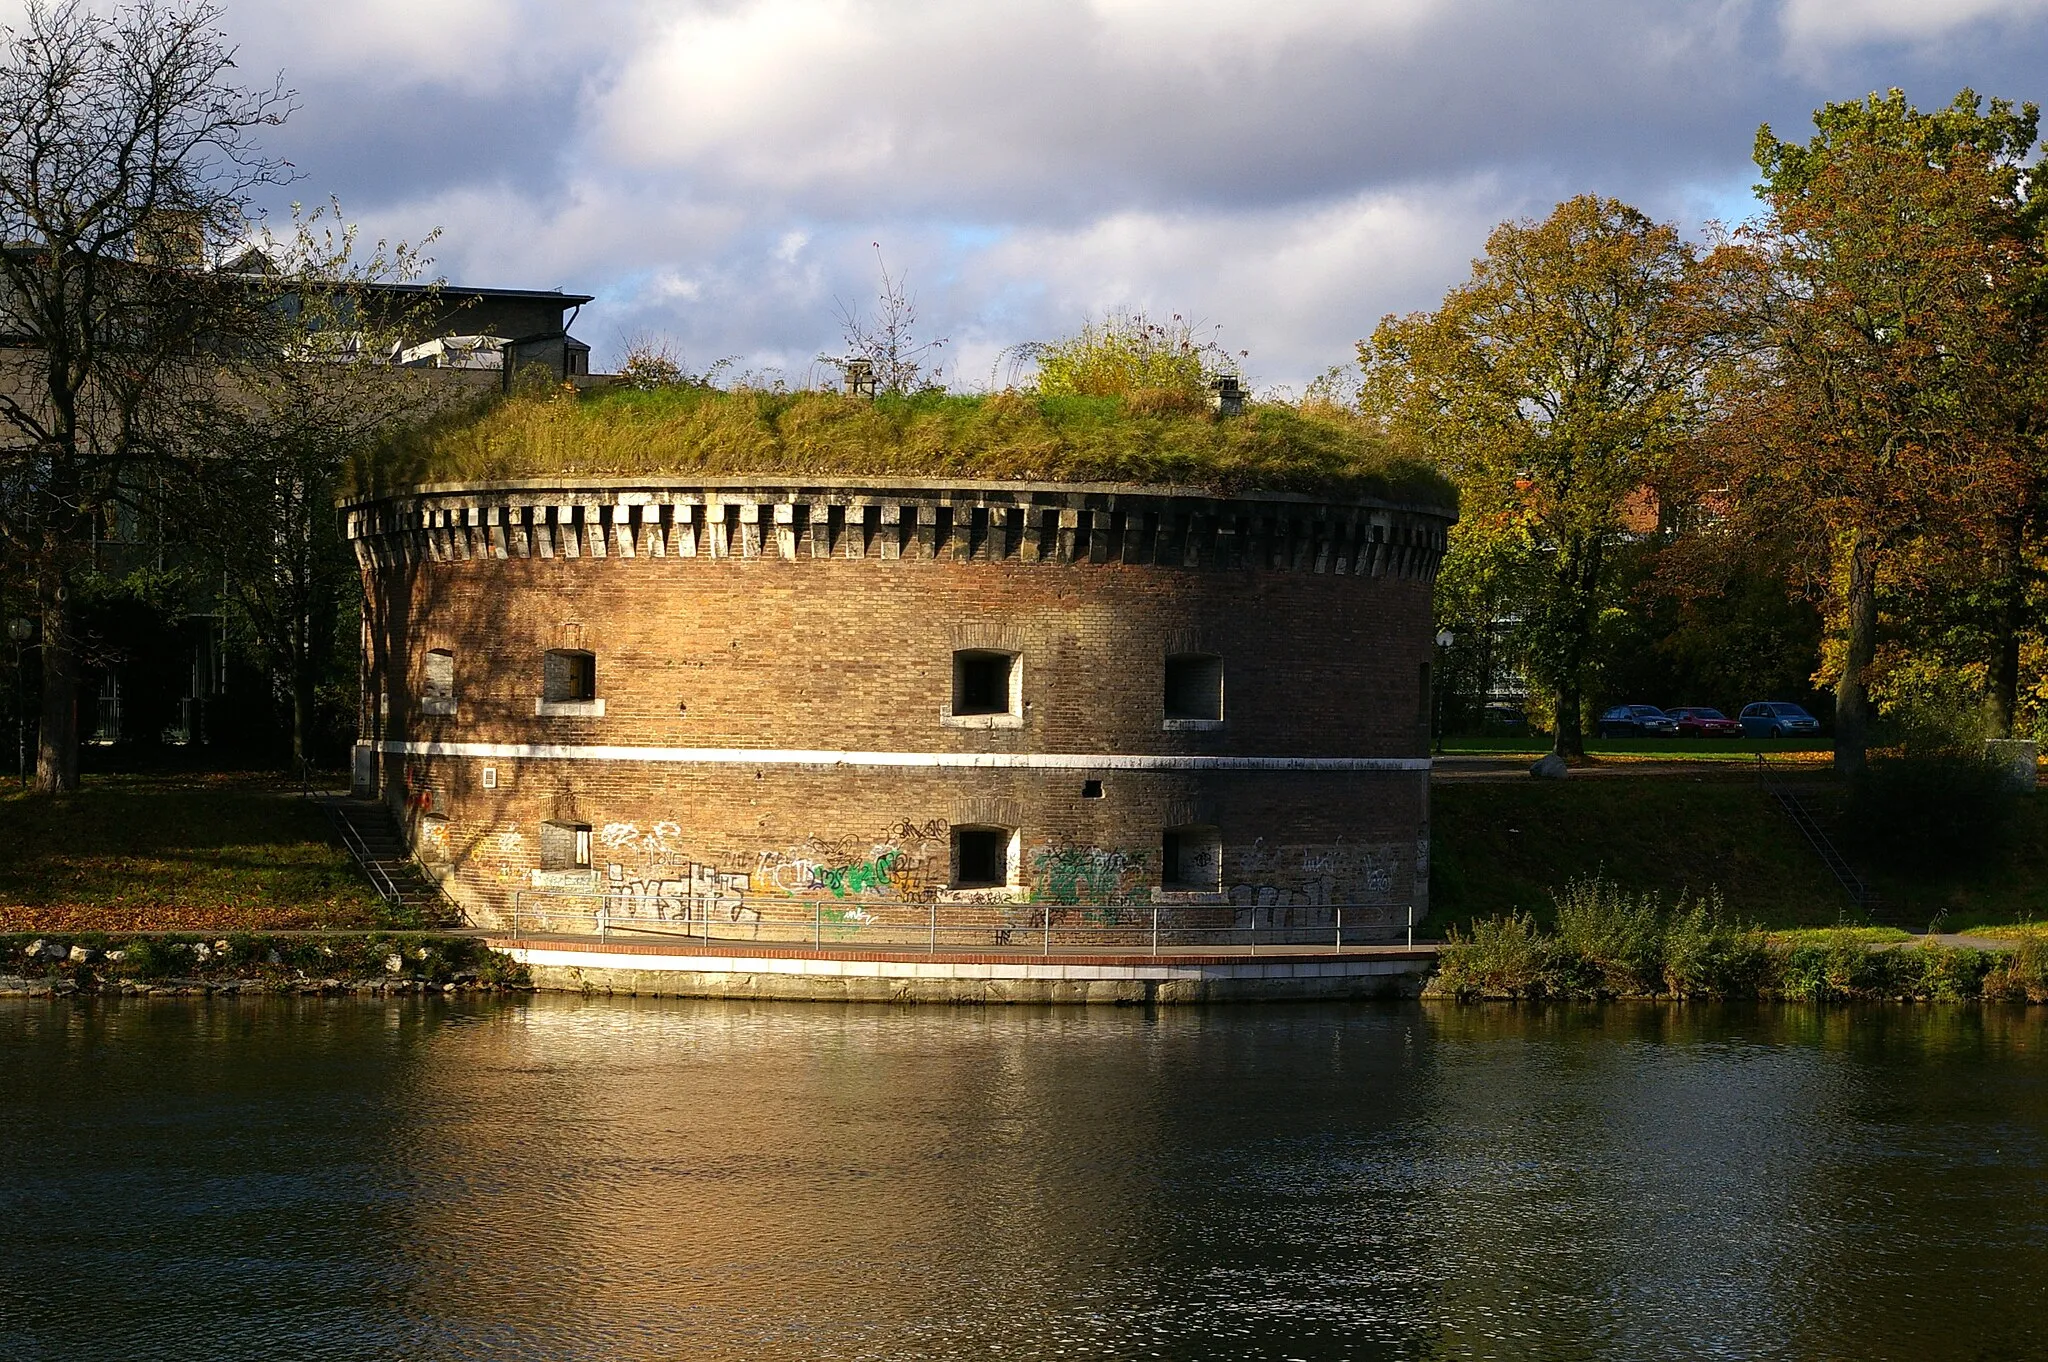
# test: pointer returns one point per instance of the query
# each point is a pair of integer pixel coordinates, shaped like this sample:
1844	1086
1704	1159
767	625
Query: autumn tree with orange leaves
1880	394
1554	387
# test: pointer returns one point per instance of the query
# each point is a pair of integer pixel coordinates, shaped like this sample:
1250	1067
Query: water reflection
562	1178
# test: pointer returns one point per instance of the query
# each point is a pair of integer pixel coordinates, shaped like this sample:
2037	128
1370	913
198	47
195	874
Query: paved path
1975	943
1460	767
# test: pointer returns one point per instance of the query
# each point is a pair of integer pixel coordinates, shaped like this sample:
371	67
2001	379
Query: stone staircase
375	841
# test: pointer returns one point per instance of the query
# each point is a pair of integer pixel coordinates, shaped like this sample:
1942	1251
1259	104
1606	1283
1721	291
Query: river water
560	1178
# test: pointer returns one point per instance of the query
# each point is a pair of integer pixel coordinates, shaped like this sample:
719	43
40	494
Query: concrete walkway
636	943
685	967
1965	939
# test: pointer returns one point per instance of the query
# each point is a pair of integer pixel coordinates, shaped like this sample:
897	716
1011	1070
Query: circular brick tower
740	703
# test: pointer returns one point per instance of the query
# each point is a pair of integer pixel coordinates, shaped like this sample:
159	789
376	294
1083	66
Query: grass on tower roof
1273	446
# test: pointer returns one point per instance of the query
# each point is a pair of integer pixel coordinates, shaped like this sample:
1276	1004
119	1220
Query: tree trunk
1852	691
302	717
2002	669
1571	728
1580	568
57	736
2002	676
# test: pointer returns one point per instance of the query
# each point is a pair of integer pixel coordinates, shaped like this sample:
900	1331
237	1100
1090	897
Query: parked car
1504	719
1776	719
1697	721
1636	721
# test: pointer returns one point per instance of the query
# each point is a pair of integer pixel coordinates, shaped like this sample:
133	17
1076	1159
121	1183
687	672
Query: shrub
2021	977
1921	816
144	958
1504	958
1806	972
1708	956
1951	974
1158	366
1613	938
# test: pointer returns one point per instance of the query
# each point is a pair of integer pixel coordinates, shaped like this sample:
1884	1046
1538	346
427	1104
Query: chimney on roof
860	379
1226	397
172	237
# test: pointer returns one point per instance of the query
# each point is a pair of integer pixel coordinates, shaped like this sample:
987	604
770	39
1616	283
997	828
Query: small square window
565	846
1194	687
1091	789
568	676
981	858
984	683
1191	860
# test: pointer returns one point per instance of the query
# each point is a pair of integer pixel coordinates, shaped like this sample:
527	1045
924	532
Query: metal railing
1854	885
373	866
930	925
368	864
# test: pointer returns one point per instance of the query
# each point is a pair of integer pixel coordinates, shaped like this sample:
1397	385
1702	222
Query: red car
1696	722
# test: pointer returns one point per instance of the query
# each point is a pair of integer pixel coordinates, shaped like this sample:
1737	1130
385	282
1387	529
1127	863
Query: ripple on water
559	1178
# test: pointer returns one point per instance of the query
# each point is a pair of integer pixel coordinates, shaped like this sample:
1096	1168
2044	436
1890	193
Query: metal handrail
373	867
357	849
1854	885
1009	926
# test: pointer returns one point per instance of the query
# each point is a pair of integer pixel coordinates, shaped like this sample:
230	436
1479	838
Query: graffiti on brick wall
910	861
627	837
650	874
1273	877
693	893
508	856
1076	874
868	876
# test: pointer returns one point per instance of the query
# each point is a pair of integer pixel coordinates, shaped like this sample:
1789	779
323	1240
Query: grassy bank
258	962
1605	942
213	853
1505	846
686	430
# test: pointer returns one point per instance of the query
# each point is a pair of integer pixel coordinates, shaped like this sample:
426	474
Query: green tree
1552	387
1880	394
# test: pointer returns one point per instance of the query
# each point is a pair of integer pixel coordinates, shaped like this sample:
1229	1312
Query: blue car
1775	719
1636	721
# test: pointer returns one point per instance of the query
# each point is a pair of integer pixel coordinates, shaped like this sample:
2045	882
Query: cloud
1295	288
482	48
1835	23
717	169
1061	108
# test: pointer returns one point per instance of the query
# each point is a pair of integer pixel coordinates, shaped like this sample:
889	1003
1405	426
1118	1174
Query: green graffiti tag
1086	874
859	878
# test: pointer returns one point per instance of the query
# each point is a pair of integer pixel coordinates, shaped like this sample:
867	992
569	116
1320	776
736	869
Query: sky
723	174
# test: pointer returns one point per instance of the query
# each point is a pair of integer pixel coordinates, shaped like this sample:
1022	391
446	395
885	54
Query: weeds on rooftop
702	430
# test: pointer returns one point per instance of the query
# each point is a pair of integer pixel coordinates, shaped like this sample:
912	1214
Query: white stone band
785	756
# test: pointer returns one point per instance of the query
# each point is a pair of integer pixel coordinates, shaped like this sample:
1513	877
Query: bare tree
887	339
128	157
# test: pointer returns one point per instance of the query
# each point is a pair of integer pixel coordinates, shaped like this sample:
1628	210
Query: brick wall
788	649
